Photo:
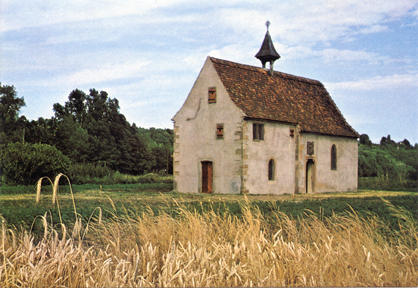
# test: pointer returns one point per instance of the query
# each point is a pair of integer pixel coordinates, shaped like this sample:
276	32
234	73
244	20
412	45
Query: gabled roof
282	97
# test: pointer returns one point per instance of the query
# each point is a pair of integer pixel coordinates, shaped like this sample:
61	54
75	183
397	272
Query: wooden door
207	177
310	178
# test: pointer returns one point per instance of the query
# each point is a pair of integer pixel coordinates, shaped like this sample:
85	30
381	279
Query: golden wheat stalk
214	250
55	192
38	188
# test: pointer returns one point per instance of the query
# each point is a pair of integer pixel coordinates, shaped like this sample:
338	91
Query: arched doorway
207	177
310	176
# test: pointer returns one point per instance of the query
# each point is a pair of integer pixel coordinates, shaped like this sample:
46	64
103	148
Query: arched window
271	170
333	157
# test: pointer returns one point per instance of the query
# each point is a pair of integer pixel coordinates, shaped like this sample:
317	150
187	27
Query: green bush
383	183
88	173
24	164
118	178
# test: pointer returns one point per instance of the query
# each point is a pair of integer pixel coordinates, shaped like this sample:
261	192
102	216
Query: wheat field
213	250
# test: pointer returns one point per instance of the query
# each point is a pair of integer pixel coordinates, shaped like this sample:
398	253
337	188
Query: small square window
219	131
292	132
258	131
212	95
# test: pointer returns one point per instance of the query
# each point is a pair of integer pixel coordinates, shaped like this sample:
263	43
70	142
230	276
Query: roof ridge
278	73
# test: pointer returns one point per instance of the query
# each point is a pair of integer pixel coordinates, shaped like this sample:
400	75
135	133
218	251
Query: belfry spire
267	52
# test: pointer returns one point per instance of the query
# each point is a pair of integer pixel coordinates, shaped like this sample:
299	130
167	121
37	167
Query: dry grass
214	250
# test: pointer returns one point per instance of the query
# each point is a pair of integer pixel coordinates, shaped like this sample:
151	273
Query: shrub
83	173
383	183
24	164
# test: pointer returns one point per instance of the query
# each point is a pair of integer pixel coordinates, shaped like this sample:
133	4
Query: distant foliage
90	130
391	164
25	163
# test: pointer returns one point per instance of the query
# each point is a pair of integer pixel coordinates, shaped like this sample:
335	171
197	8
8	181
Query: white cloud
336	55
379	83
18	14
374	29
331	55
299	20
321	21
236	53
103	73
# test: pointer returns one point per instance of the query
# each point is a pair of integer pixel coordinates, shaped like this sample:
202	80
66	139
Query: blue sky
147	54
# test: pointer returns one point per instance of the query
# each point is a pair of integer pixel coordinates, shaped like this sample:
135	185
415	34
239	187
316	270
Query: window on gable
212	95
271	170
219	131
258	131
333	157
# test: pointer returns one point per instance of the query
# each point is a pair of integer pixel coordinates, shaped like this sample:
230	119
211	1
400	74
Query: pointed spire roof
267	52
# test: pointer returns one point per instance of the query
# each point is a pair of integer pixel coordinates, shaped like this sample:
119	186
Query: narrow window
333	157
258	131
271	170
212	95
219	131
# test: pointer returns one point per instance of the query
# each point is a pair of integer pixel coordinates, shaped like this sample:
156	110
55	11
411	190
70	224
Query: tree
387	142
76	105
73	139
364	140
41	131
90	128
10	106
405	144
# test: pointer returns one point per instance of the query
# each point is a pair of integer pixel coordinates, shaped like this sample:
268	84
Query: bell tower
267	52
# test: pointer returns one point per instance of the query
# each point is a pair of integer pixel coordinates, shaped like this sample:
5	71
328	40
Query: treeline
88	130
388	164
89	138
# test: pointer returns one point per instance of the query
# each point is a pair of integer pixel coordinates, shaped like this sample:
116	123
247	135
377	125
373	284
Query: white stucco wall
344	178
196	141
277	145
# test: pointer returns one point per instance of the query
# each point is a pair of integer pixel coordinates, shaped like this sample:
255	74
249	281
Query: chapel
245	129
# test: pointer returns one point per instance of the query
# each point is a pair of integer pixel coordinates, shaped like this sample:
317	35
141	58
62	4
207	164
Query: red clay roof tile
282	97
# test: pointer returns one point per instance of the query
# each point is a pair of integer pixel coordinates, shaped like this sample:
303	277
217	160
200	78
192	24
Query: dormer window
212	95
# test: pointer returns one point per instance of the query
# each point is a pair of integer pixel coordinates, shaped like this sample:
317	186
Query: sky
148	53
